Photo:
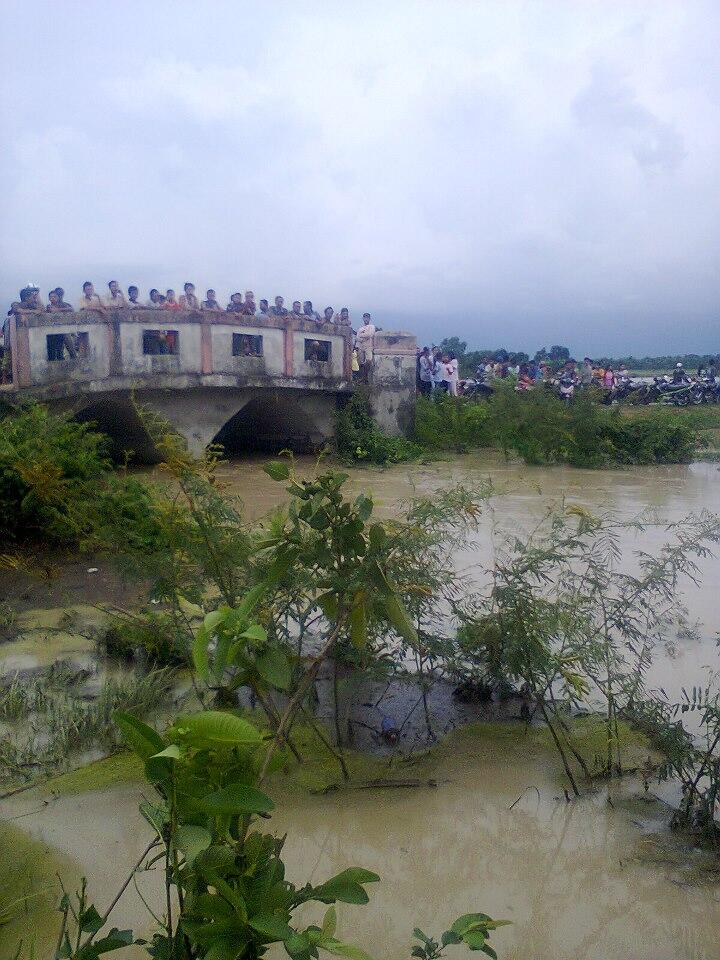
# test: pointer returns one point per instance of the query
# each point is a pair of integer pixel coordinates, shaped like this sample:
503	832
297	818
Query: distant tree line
557	355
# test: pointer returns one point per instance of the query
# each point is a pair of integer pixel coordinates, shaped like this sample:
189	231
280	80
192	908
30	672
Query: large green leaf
248	603
274	668
271	928
346	886
141	738
200	654
192	840
277	470
341	949
161	765
90	920
223	948
237	798
399	620
329	924
473	921
114	940
213	728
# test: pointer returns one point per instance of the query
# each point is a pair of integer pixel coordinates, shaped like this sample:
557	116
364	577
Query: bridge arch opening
271	422
117	418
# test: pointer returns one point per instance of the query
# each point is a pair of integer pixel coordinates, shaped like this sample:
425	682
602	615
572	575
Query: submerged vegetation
559	622
52	719
541	428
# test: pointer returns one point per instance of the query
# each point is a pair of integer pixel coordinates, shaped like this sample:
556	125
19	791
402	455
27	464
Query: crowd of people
30	302
438	371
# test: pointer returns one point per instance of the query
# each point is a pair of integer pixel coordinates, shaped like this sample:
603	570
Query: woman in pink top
609	379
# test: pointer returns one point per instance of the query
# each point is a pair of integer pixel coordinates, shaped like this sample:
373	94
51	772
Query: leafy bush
541	428
451	423
357	438
57	482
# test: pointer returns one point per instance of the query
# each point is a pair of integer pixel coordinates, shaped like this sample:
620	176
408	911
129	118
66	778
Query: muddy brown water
582	880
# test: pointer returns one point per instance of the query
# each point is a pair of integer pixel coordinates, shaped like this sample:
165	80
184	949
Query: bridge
248	382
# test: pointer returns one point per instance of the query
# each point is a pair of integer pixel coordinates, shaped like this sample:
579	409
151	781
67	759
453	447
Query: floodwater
588	880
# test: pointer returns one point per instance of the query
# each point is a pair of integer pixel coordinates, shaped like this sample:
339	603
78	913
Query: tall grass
51	722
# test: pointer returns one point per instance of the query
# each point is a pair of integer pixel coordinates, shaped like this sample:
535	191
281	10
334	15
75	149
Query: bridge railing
54	348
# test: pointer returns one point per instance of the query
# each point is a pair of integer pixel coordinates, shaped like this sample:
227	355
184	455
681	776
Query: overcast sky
518	173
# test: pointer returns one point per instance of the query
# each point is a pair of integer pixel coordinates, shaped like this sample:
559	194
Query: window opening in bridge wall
161	342
67	346
317	350
247	345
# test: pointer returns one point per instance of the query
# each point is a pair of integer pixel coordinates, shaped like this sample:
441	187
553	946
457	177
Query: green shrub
57	483
357	438
443	422
539	427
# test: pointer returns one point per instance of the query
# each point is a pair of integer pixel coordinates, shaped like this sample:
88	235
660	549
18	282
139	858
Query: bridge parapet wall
393	382
119	344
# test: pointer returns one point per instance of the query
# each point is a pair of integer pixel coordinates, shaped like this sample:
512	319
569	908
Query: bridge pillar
393	382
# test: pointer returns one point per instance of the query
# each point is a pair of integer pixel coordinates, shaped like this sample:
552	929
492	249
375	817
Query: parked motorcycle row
688	391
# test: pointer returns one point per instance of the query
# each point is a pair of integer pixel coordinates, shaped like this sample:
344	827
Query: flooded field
590	879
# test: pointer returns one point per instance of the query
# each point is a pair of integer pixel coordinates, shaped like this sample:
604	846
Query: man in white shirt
426	372
364	345
91	300
116	298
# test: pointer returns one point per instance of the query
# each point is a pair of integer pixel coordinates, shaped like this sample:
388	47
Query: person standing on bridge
309	313
116	298
211	302
249	309
56	304
425	374
188	301
29	301
133	302
328	314
264	309
297	312
279	310
91	300
364	345
236	304
170	301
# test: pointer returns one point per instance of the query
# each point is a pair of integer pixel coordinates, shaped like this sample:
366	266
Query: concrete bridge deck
247	381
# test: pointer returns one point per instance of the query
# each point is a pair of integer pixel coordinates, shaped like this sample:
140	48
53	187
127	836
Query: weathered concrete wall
95	364
314	368
392	382
135	362
272	362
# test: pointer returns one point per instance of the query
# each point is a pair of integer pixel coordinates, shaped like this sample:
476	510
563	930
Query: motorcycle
566	389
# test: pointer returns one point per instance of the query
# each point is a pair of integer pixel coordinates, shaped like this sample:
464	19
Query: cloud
527	170
610	107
